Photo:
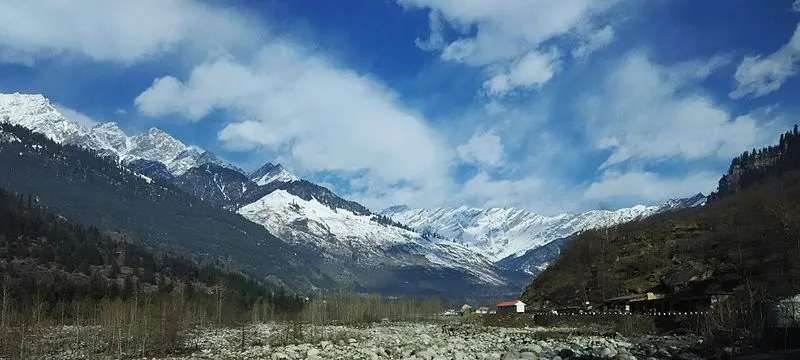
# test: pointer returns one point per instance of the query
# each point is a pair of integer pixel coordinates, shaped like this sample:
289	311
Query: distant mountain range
504	235
447	251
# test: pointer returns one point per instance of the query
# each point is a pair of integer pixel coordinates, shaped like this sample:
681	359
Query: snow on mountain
359	239
271	172
499	233
36	113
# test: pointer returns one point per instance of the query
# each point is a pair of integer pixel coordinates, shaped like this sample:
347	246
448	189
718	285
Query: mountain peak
156	132
270	172
394	209
34	111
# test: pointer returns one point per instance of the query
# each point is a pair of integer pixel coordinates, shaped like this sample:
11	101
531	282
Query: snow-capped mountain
502	234
36	113
357	247
271	172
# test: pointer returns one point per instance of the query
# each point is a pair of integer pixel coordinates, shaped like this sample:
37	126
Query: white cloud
593	42
435	39
120	111
649	186
760	75
484	191
118	31
76	116
483	149
647	112
796	6
531	71
506	32
320	116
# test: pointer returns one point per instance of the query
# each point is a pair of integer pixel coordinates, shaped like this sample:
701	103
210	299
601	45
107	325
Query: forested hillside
748	236
87	189
47	258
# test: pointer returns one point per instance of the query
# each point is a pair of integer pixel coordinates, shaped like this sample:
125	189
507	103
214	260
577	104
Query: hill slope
748	236
92	190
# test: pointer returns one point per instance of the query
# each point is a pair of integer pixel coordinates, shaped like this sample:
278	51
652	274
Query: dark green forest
46	258
77	184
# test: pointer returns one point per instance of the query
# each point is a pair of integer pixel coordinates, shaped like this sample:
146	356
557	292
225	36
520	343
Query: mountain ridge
505	232
35	112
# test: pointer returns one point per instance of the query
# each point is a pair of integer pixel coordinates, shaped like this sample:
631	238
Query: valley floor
394	341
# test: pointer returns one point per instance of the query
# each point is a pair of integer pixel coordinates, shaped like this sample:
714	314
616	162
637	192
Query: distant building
696	297
514	306
482	310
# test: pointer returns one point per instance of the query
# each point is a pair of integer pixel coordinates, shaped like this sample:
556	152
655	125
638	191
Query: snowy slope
36	113
361	241
270	173
501	232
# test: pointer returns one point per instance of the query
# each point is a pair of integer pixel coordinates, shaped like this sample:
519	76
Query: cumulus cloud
321	116
76	116
649	186
594	41
508	32
118	31
648	112
482	149
796	6
760	75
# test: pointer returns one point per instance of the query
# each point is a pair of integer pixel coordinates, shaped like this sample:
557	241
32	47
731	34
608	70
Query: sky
547	105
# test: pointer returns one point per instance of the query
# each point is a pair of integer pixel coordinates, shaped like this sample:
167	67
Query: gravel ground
421	341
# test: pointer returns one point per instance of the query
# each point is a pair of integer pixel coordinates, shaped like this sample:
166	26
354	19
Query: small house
514	306
482	310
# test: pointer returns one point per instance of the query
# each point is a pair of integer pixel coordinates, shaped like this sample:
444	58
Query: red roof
507	303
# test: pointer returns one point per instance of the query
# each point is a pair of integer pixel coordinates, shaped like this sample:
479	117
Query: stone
608	353
566	353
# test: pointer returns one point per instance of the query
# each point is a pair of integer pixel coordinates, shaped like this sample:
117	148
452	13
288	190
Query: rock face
756	166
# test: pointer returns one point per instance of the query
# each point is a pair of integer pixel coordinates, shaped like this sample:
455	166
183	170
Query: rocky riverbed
426	341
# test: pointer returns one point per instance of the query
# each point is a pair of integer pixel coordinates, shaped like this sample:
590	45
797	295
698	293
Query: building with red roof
514	306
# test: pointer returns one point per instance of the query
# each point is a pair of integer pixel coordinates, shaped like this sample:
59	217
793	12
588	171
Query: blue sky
550	105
